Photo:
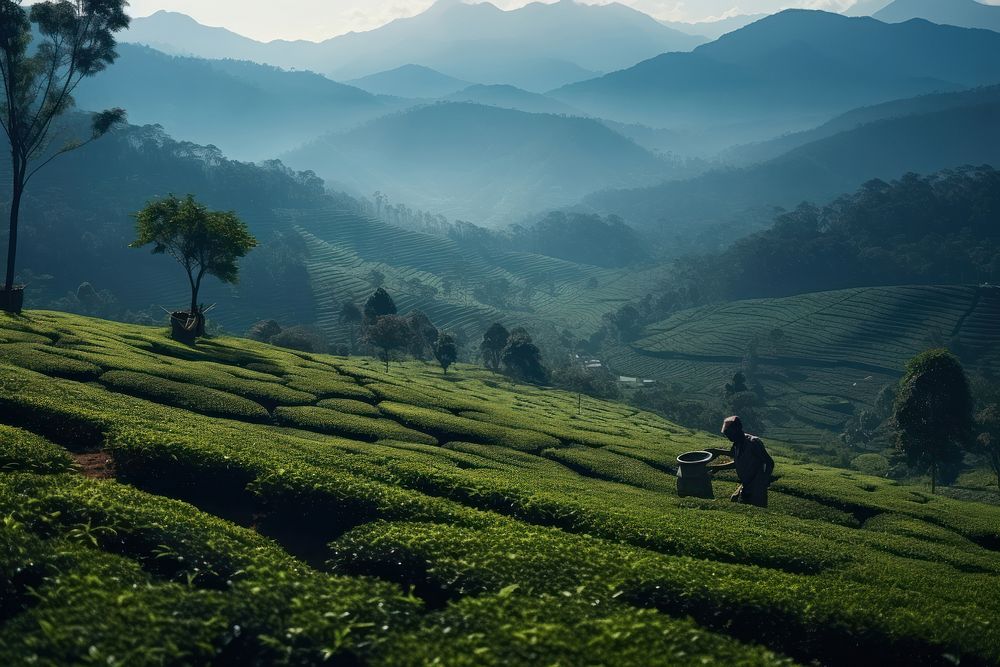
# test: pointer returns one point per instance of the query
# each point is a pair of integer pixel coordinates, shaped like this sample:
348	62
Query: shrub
37	359
24	451
350	406
190	397
875	465
301	338
348	425
445	426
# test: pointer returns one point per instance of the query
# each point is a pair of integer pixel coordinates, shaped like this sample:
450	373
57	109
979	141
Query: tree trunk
933	478
195	287
15	211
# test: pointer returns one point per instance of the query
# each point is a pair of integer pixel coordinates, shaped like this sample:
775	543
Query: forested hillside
725	204
250	111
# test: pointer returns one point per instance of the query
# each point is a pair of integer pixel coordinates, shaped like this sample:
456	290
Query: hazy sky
320	19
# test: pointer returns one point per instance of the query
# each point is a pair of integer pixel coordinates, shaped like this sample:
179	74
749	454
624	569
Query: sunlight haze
316	20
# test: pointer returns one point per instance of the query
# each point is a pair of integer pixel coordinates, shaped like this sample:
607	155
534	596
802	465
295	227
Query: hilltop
411	81
246	504
479	163
790	71
964	13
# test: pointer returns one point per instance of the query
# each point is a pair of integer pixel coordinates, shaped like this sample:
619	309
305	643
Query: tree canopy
379	304
492	346
522	359
933	411
75	40
204	242
389	333
445	350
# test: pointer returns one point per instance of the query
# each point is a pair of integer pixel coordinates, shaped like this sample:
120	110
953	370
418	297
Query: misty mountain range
479	163
537	47
764	97
962	13
791	69
924	137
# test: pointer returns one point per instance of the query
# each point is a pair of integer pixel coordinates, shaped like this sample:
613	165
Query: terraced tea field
438	276
233	503
820	357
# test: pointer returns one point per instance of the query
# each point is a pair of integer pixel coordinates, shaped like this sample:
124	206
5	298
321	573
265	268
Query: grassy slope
344	248
472	520
837	351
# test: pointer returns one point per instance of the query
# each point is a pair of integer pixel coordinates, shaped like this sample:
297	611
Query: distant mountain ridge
789	69
962	13
479	163
251	111
414	81
713	209
759	152
509	97
537	47
715	29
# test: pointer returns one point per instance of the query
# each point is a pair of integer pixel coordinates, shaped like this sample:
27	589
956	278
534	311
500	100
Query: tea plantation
821	357
237	504
445	279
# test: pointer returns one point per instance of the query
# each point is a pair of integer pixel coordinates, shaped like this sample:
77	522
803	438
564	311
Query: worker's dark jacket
753	466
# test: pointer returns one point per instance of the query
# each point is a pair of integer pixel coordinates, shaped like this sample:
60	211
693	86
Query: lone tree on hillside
388	333
522	359
379	304
933	411
492	346
445	350
76	41
203	242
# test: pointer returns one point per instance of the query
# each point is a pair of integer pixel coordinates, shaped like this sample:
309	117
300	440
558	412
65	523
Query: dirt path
95	465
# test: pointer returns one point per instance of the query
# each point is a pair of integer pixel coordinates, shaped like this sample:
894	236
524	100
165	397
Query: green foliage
126	578
190	397
917	230
493	344
511	628
44	55
522	359
934	410
37	359
445	351
24	451
323	420
379	304
389	333
839	352
445	427
871	464
203	242
350	406
529	532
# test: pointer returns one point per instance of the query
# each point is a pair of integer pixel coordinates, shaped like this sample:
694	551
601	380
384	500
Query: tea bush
190	397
